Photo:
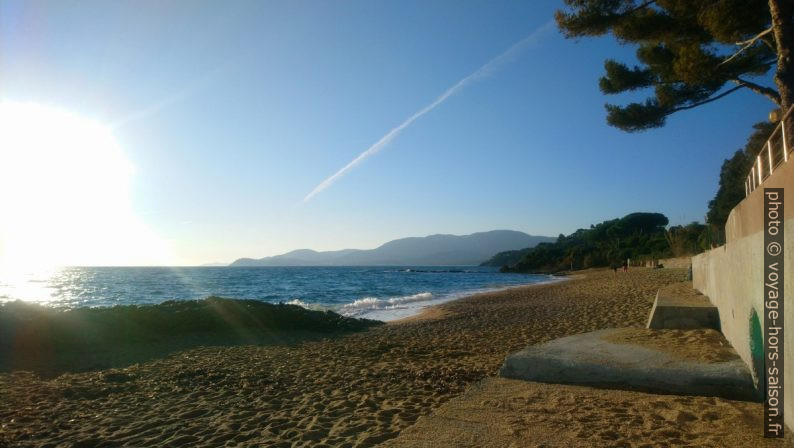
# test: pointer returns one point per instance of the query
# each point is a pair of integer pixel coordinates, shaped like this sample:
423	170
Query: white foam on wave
308	306
406	306
412	298
368	304
298	302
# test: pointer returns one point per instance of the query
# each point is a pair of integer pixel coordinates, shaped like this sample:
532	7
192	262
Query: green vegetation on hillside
507	258
636	236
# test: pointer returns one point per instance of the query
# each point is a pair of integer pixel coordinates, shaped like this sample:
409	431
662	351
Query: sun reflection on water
31	286
60	287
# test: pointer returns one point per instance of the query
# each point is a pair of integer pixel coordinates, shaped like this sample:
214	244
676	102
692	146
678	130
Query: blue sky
232	112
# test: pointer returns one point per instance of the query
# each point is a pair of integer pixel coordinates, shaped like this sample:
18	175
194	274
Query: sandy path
358	390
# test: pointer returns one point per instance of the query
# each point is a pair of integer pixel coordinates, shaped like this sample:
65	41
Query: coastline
438	311
366	388
417	313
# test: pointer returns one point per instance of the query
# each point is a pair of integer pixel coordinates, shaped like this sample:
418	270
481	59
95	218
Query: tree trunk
783	30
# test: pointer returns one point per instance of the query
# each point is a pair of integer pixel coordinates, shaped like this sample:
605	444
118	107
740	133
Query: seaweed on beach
32	334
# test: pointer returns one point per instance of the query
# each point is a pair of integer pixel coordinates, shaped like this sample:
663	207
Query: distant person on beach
625	266
614	266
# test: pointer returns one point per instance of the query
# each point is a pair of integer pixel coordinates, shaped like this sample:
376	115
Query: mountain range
433	250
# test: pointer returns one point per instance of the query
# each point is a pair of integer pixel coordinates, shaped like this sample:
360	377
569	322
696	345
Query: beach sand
366	388
501	413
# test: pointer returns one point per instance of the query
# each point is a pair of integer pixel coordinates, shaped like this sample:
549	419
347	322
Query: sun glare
64	194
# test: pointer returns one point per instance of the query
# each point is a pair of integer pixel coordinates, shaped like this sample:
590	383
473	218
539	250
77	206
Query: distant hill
433	250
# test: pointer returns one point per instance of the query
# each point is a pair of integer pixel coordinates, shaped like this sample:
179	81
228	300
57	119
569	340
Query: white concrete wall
732	276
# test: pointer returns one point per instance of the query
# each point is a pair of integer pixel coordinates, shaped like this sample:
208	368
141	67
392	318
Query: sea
375	292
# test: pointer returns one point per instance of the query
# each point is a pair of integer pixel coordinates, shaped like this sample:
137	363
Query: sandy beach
395	380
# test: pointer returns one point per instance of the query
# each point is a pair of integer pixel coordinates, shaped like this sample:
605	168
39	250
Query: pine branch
638	7
747	44
706	101
759	89
757	36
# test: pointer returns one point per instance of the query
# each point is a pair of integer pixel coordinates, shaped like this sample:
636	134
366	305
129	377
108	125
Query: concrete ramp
694	362
681	306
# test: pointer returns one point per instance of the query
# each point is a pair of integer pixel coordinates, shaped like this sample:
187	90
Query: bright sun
64	194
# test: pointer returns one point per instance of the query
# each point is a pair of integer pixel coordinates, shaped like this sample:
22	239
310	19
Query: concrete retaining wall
732	277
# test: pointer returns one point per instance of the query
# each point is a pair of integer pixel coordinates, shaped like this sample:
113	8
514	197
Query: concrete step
679	306
685	362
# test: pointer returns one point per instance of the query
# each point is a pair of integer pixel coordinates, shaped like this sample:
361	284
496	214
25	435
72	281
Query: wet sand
366	388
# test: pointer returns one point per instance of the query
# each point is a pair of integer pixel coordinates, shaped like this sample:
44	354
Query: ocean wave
307	305
298	302
367	304
412	298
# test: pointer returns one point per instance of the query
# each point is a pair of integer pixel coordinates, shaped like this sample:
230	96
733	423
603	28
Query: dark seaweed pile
32	334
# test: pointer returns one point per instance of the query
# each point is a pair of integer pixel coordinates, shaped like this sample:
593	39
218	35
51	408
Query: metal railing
776	151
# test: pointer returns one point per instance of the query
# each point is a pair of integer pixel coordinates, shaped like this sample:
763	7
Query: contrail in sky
481	73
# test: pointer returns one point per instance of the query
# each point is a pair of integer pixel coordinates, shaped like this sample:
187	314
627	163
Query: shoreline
437	311
363	389
453	297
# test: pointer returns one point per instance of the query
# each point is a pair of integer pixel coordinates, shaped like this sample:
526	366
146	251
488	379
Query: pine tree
691	52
